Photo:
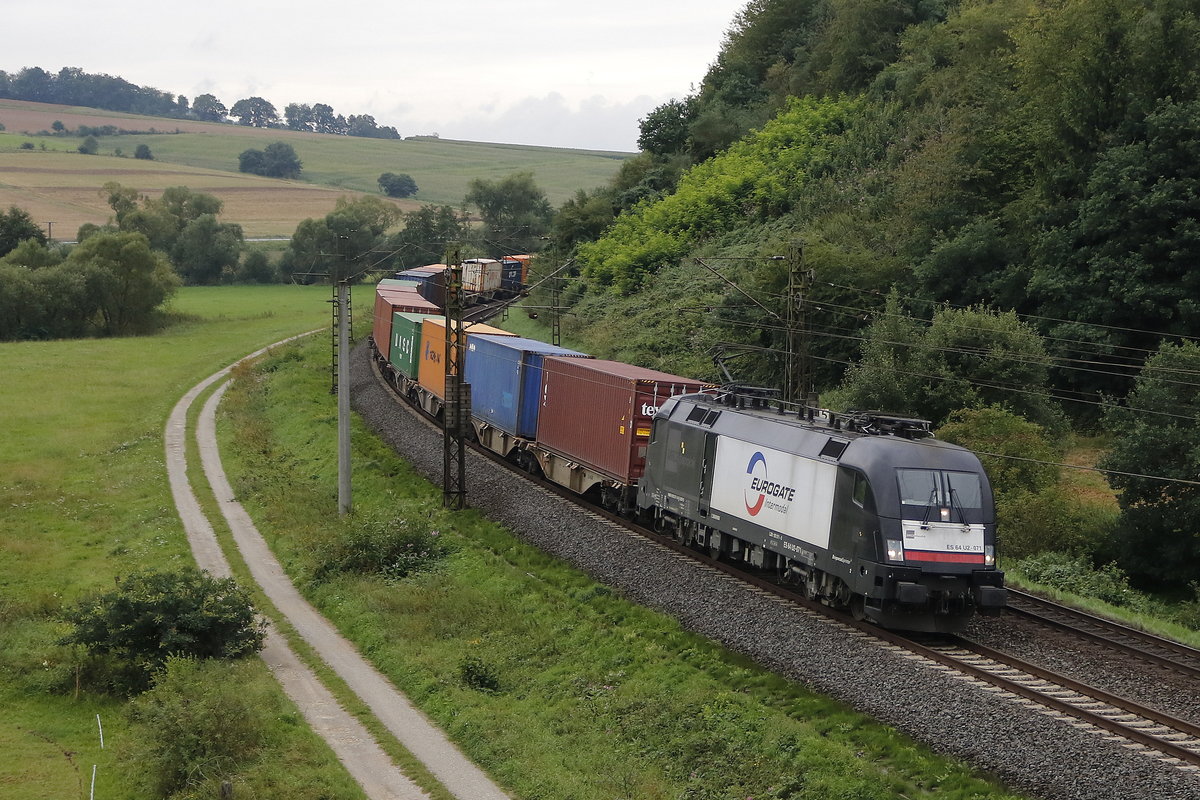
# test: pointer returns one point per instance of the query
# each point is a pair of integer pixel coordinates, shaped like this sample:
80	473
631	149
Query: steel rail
1140	644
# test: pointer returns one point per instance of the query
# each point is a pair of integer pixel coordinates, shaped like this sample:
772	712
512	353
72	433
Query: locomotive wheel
858	607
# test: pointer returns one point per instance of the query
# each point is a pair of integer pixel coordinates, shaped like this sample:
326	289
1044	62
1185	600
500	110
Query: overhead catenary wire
995	355
1141	352
1024	316
1137	366
993	385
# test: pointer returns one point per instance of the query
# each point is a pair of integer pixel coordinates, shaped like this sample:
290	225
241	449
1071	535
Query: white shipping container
481	275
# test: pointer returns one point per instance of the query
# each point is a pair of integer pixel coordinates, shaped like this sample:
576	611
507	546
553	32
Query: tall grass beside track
83	500
554	684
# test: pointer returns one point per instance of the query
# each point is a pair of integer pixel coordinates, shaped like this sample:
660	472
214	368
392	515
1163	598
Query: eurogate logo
761	487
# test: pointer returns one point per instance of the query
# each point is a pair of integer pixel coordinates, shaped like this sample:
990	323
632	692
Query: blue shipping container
505	374
510	275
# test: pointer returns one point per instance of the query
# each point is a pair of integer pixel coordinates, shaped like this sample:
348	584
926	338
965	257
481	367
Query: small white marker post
93	794
101	727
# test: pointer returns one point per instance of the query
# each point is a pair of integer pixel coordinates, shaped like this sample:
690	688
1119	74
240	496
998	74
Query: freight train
483	279
864	511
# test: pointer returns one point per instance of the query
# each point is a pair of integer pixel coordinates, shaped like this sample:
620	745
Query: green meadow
85	500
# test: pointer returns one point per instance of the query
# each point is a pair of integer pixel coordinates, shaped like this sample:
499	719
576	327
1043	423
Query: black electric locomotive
865	511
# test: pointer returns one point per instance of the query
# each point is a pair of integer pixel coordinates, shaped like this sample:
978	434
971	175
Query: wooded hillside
1035	162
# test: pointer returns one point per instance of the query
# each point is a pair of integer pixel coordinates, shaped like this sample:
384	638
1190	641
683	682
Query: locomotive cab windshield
941	495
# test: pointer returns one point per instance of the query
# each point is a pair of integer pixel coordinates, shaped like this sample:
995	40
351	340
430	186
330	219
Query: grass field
85	500
55	183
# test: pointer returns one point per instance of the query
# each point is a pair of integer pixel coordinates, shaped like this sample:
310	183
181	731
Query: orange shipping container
431	372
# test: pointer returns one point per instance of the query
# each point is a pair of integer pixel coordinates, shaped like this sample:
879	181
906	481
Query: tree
427	234
1127	258
1158	435
343	242
128	279
963	358
665	129
325	121
394	185
143	152
277	160
90	146
256	267
206	250
16	226
153	616
298	117
515	212
255	112
208	108
583	218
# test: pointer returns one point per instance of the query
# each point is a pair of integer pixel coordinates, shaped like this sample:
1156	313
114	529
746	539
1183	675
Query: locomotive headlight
989	555
895	550
945	514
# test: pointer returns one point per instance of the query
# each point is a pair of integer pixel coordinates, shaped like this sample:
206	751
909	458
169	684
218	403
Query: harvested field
45	174
64	188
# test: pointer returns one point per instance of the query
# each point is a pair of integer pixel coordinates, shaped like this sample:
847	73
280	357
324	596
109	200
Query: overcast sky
565	73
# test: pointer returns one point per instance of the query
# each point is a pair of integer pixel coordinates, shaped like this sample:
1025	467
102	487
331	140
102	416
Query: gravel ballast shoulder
1030	750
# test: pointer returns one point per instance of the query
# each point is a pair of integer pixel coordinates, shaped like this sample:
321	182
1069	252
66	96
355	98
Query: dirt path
352	743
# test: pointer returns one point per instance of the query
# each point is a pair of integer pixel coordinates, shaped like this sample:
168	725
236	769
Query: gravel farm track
1038	752
354	746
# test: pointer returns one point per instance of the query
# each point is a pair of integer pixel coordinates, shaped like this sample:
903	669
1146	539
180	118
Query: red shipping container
599	413
389	300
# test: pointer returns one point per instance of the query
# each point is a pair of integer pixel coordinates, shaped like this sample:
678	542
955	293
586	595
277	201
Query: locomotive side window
860	490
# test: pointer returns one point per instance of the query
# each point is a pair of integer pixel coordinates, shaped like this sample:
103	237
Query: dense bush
1013	450
132	632
754	179
1051	519
195	727
374	544
1077	575
962	358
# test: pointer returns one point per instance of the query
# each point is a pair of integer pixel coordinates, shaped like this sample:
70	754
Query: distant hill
57	184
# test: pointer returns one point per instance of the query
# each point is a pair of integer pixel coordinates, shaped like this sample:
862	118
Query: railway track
1134	643
1159	735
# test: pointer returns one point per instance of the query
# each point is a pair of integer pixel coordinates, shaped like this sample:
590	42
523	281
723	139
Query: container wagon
595	421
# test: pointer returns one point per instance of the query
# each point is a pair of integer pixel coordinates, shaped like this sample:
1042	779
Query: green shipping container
406	342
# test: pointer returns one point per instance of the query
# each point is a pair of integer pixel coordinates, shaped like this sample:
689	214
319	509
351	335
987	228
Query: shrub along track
1027	747
351	742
